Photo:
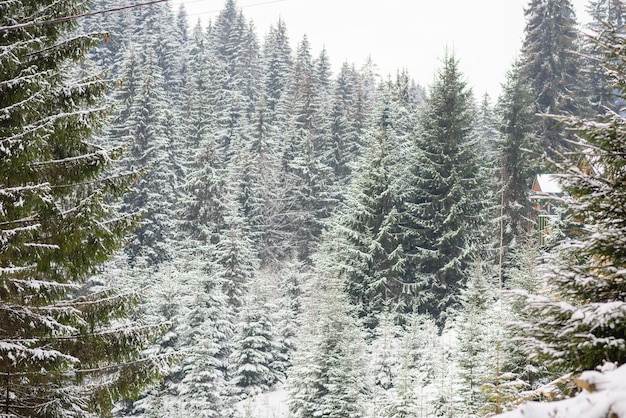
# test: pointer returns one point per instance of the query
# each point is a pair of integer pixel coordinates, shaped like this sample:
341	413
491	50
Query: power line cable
78	16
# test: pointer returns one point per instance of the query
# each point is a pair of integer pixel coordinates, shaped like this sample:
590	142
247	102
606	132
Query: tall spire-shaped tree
515	165
550	65
445	212
369	250
154	191
328	373
611	13
277	65
64	350
580	323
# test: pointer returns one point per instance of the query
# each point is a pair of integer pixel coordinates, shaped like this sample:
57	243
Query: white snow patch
603	395
265	405
549	183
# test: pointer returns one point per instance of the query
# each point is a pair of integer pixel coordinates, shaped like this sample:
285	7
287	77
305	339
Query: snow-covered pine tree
151	151
236	77
197	98
236	261
207	334
579	322
328	375
125	94
288	284
510	372
515	165
305	176
551	65
277	64
344	137
253	174
65	351
385	364
445	212
204	208
366	232
474	353
610	13
255	347
487	130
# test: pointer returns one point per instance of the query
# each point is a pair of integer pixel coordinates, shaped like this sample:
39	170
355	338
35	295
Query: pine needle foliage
64	351
580	321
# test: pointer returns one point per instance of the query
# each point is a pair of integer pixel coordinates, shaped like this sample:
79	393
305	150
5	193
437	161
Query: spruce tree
235	255
65	350
151	151
474	351
366	231
551	66
327	378
258	195
207	331
277	63
579	322
344	137
515	165
305	175
444	213
255	347
611	14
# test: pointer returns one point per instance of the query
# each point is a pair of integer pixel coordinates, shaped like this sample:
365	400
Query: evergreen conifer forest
196	218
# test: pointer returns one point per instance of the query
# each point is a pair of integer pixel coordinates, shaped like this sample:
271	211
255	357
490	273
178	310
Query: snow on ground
603	395
265	405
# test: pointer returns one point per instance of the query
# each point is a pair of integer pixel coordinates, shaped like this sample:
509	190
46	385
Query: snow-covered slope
603	395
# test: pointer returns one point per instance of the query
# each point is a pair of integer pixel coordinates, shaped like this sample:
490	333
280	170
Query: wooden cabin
546	189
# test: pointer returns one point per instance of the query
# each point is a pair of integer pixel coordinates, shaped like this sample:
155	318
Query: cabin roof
547	183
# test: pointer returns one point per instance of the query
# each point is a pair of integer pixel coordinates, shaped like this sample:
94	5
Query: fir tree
474	351
235	256
385	365
207	332
579	323
445	212
277	64
258	188
606	13
550	65
305	175
125	95
327	378
154	192
255	347
65	349
344	137
368	250
515	165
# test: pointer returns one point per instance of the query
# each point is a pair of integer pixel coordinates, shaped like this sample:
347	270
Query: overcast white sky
485	35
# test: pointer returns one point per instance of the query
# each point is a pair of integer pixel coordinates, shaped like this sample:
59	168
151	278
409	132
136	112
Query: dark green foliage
444	213
550	65
607	14
328	375
368	249
64	350
154	191
515	165
305	175
255	347
580	321
277	65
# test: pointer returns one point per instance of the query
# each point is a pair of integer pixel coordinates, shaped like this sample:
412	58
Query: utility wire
78	16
